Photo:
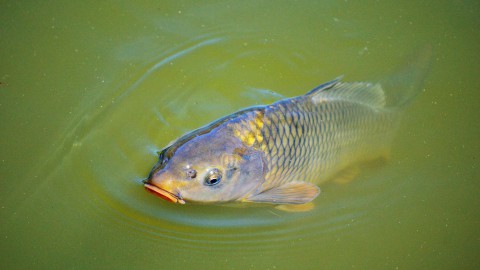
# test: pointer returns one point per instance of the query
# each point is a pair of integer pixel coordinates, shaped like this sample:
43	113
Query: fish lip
164	194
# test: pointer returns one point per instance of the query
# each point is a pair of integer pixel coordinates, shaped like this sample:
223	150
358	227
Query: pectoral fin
296	208
290	193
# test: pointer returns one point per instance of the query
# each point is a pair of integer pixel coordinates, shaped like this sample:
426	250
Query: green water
90	91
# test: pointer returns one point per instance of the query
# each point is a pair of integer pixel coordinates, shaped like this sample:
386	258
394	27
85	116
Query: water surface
91	91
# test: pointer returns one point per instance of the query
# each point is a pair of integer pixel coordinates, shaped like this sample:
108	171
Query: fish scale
310	141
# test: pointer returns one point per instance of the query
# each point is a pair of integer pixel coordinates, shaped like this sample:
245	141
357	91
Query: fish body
278	153
313	137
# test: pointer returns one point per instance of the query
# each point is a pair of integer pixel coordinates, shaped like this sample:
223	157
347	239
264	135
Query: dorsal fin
359	92
324	86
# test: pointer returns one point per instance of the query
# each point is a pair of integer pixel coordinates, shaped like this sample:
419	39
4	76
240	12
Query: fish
280	153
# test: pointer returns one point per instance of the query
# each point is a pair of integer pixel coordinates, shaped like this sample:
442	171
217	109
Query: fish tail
407	80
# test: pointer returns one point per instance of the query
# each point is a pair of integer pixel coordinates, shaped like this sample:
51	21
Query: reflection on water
91	91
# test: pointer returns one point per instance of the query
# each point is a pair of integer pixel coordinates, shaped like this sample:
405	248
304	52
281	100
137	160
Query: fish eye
191	173
214	176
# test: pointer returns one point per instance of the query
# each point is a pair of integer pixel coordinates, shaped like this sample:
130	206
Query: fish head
209	168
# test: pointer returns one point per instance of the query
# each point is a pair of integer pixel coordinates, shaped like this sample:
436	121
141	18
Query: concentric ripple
182	89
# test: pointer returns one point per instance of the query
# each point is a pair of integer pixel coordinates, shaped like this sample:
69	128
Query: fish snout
162	186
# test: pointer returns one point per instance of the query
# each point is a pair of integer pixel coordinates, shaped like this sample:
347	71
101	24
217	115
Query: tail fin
406	82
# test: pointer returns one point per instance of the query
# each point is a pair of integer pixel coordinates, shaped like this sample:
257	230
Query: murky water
90	91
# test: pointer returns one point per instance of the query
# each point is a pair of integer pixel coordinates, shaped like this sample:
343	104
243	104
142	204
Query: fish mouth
162	193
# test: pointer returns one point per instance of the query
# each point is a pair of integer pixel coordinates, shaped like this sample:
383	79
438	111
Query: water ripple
185	87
